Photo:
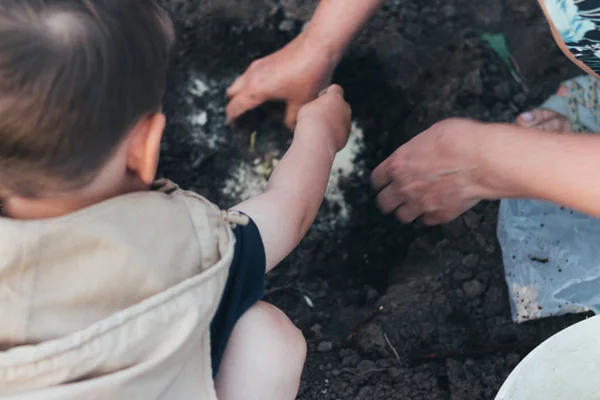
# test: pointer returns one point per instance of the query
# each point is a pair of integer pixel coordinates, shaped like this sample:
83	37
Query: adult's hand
437	175
298	72
451	166
294	74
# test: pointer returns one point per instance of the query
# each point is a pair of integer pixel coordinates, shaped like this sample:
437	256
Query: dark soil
445	330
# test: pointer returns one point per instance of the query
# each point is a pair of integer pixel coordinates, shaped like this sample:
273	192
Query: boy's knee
285	340
265	357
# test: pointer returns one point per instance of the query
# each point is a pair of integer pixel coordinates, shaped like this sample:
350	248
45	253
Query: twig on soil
278	289
207	158
369	371
518	71
472	352
387	340
366	322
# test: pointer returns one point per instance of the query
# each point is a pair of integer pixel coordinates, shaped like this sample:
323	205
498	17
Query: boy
112	286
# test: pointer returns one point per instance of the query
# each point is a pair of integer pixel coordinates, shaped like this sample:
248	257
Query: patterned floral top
578	23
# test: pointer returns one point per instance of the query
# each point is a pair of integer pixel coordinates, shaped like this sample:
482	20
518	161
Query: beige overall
114	301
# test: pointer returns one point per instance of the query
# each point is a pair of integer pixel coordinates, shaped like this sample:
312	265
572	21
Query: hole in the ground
352	244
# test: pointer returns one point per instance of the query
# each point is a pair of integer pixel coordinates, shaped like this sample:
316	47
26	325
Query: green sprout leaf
497	42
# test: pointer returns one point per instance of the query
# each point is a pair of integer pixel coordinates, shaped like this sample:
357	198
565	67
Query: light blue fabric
586	111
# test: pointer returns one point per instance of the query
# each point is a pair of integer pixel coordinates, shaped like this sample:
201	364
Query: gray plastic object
551	259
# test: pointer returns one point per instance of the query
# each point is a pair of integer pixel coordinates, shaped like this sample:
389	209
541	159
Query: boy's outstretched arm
295	191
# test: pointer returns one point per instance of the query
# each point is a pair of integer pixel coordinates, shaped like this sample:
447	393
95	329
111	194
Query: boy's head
81	83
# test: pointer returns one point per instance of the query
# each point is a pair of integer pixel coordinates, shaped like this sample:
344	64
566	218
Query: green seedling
497	42
253	142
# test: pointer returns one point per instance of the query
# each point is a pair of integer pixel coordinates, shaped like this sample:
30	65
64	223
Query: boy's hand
328	115
289	205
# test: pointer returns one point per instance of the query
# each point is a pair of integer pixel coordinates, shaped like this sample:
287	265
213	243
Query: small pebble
351	360
470	260
372	296
316	329
325	347
449	11
473	288
394	372
287	25
460	275
519	99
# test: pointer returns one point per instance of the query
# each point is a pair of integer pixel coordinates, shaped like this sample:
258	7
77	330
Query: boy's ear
144	148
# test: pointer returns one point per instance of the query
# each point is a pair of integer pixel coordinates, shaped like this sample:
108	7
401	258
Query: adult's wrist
505	160
477	148
323	44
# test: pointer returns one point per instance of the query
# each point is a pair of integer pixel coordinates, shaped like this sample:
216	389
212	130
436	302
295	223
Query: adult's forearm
557	167
336	22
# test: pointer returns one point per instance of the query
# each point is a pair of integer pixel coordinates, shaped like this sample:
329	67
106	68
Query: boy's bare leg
264	357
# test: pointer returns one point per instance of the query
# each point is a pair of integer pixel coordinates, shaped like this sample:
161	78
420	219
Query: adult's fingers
389	199
381	176
407	213
236	86
439	217
431	219
291	115
241	103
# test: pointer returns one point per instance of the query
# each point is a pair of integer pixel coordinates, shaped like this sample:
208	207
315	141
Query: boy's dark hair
75	77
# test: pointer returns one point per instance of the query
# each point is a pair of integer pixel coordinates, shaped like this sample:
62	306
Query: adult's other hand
437	175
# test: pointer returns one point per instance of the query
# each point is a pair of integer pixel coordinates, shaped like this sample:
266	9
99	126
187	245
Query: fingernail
528	117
